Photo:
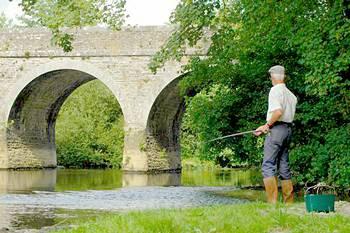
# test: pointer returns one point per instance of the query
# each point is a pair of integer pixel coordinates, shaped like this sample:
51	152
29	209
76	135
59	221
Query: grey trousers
276	152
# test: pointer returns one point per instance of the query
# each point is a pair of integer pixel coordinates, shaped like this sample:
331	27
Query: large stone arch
33	105
163	128
25	78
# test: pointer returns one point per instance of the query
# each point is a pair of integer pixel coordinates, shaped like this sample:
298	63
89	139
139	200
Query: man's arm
275	116
265	128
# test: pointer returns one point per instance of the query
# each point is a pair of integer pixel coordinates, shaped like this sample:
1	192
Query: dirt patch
343	207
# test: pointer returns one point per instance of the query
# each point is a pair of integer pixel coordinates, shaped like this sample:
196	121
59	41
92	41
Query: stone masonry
36	78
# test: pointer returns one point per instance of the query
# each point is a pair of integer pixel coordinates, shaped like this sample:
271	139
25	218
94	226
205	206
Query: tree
310	38
57	15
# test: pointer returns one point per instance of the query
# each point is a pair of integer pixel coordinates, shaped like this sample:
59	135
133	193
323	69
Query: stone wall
36	77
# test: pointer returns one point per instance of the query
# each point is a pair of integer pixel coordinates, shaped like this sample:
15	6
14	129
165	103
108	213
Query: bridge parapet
90	42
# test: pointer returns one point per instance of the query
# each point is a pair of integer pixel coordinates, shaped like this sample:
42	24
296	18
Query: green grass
252	217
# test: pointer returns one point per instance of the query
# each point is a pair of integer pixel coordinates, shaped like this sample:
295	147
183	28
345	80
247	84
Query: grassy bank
252	217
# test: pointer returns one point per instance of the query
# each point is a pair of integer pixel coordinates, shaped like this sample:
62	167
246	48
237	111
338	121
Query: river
42	199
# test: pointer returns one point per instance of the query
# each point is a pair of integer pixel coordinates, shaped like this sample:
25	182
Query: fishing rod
233	135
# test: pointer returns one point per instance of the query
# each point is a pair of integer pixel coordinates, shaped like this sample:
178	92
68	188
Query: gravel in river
136	198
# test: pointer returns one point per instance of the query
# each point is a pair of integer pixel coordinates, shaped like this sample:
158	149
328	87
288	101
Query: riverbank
251	217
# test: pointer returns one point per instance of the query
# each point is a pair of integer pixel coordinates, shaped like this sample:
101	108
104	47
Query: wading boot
271	189
287	191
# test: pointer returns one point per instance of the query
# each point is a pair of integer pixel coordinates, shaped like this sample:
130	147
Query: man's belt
289	124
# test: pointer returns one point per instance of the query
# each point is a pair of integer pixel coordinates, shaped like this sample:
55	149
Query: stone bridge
36	78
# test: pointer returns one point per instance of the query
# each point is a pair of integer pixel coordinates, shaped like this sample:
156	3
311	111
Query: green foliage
329	161
208	116
89	128
310	38
59	14
194	15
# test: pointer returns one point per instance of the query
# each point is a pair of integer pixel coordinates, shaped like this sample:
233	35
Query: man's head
277	74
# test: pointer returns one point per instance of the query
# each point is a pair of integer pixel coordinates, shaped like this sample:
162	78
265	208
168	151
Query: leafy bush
329	161
89	128
208	116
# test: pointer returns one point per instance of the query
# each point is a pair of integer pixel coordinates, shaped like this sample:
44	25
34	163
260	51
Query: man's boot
287	191
271	189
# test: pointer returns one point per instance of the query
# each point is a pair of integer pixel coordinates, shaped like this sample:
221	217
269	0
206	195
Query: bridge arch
26	77
163	128
33	105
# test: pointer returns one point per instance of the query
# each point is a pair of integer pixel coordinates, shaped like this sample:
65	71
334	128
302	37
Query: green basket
319	202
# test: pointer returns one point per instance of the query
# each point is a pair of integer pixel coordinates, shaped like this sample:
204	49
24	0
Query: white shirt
280	97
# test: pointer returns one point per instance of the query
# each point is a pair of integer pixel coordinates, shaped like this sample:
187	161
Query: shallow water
44	198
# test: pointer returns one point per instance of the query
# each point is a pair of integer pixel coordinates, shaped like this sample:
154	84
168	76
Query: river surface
43	199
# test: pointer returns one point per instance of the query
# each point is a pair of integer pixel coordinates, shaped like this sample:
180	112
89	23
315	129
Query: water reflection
165	179
77	180
27	181
221	177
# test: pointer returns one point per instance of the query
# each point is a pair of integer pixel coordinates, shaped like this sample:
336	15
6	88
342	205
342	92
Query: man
280	115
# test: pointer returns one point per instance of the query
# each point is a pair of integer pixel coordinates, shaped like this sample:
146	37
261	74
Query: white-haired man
280	115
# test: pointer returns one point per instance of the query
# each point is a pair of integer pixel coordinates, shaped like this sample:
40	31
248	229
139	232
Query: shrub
89	129
328	161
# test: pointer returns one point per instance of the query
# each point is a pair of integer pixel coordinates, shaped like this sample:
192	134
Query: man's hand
262	129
